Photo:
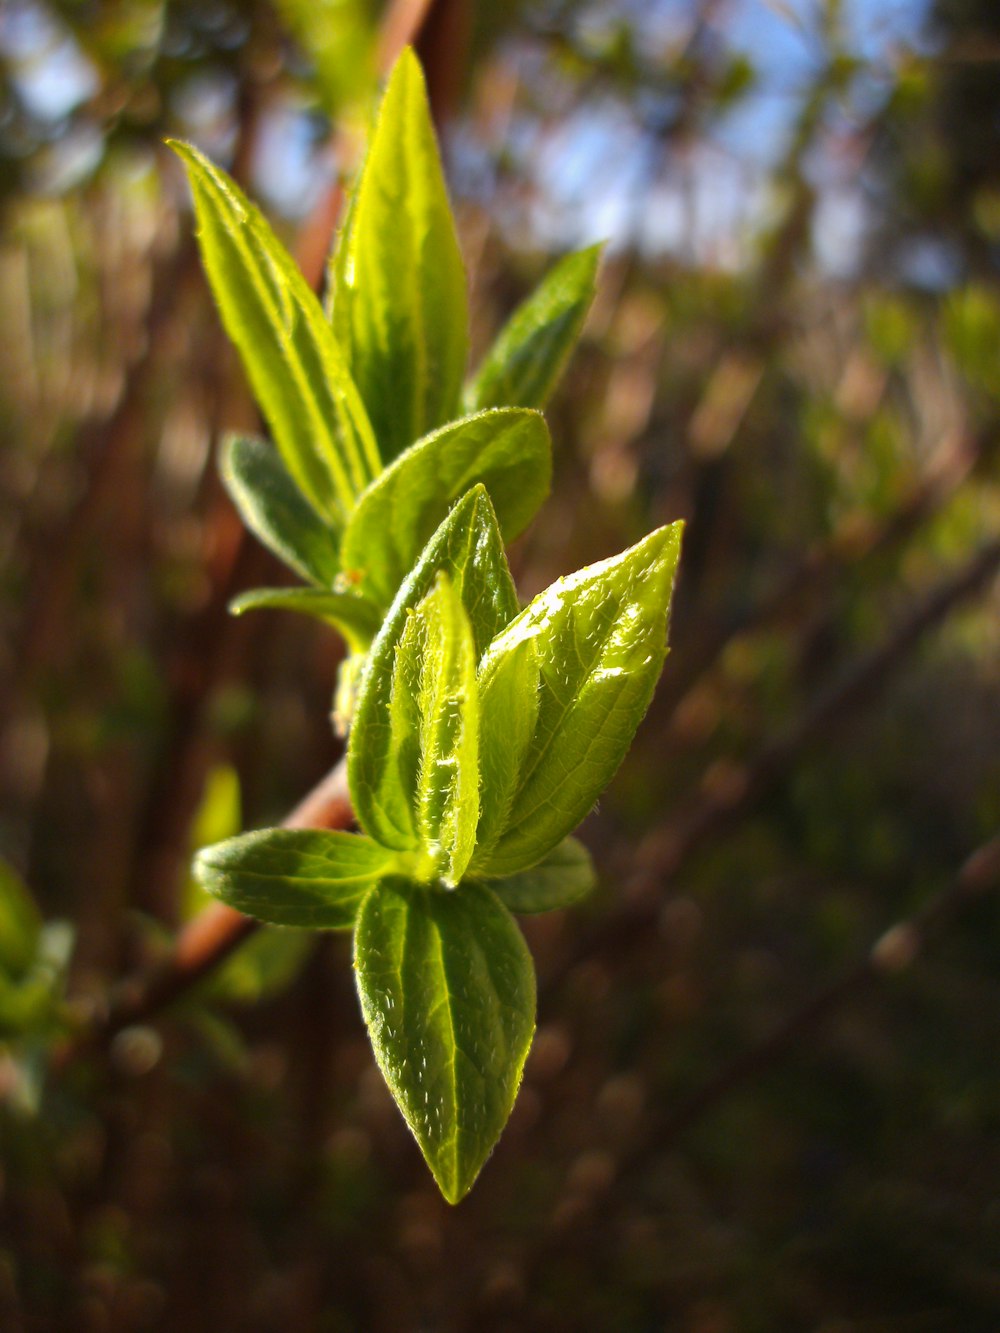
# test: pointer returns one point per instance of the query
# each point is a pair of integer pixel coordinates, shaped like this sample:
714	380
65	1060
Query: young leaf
524	364
469	549
291	358
508	714
294	877
275	510
353	616
434	687
564	877
599	638
448	993
400	305
508	451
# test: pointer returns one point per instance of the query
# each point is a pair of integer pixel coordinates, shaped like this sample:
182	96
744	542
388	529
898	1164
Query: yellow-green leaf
399	305
288	350
599	640
468	548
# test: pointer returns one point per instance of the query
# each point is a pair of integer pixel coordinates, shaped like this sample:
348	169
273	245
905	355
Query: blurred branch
727	794
857	538
210	937
894	951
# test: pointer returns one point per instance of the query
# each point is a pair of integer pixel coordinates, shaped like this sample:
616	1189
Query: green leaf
469	549
400	305
275	510
508	451
508	715
294	877
564	877
599	638
524	364
434	734
448	993
20	923
291	358
356	618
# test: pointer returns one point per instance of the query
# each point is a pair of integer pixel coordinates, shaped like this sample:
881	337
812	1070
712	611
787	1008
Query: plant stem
210	937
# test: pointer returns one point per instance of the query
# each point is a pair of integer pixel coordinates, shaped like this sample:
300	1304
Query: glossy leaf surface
434	729
293	877
291	358
508	451
448	993
564	877
469	549
524	364
275	510
599	637
400	305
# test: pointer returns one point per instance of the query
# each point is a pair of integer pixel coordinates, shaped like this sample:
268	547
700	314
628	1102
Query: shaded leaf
399	304
564	877
448	993
508	451
356	618
525	362
275	510
293	877
599	638
291	358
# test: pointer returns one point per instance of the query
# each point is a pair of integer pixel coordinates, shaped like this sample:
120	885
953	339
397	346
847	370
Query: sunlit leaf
433	723
400	305
599	639
468	548
290	355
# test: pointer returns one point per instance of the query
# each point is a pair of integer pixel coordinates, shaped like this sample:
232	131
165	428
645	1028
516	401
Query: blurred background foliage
795	347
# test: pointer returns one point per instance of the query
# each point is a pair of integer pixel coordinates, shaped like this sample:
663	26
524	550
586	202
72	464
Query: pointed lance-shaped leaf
599	640
399	302
525	362
291	358
508	451
352	615
294	877
469	549
276	511
447	990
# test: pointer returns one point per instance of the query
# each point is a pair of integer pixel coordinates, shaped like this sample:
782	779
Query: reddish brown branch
208	939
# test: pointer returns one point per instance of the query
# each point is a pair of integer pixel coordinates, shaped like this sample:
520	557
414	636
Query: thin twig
210	937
